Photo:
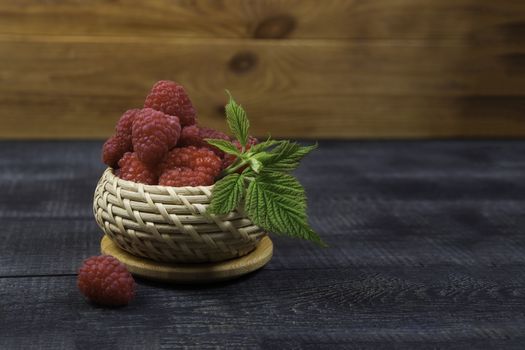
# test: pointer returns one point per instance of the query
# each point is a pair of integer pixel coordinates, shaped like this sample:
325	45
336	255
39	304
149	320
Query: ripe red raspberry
171	98
124	125
178	177
120	142
113	149
230	158
106	281
198	159
194	136
132	169
154	134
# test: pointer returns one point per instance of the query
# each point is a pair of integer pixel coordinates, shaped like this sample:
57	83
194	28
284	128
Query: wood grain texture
404	204
374	307
304	68
78	86
267	19
426	251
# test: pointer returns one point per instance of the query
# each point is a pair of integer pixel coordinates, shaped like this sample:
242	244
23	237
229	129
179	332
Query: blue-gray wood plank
427	250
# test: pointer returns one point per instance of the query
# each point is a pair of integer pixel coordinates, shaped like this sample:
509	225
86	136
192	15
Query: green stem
234	167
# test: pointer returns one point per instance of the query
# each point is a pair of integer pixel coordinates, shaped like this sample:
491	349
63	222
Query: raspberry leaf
274	200
264	145
277	202
225	146
286	156
237	120
256	165
227	194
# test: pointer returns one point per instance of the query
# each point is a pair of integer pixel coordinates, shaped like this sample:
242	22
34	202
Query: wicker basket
170	224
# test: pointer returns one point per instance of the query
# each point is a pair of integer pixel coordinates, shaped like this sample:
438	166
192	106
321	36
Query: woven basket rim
110	172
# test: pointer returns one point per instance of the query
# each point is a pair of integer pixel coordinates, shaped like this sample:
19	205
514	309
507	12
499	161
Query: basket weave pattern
170	224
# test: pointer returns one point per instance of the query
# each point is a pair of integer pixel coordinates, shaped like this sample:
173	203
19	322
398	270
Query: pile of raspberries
162	143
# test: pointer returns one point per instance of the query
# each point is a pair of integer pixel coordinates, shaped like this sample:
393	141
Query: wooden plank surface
267	19
426	251
372	190
390	88
304	68
337	308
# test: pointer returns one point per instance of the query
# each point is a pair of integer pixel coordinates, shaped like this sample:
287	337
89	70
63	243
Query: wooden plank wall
303	68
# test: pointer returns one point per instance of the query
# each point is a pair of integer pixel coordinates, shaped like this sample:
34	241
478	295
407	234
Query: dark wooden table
427	250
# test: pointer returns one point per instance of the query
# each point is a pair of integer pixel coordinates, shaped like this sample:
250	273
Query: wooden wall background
303	68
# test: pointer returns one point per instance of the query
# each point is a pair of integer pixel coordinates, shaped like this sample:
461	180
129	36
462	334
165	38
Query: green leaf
225	146
264	145
273	200
256	165
227	194
305	150
277	203
286	156
237	120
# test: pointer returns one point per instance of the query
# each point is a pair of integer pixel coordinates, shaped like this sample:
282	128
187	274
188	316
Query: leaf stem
234	167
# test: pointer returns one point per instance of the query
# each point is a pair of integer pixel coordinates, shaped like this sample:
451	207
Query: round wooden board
191	273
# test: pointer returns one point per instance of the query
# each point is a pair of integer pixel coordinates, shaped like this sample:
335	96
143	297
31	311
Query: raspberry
171	98
179	177
132	169
154	134
124	124
113	149
230	158
120	143
194	136
190	166
106	281
198	159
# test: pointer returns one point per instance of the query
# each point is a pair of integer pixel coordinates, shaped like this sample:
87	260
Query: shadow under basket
170	224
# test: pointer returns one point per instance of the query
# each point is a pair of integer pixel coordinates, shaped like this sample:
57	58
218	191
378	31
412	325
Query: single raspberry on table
178	177
171	98
154	134
198	159
230	158
106	281
195	136
113	149
133	169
